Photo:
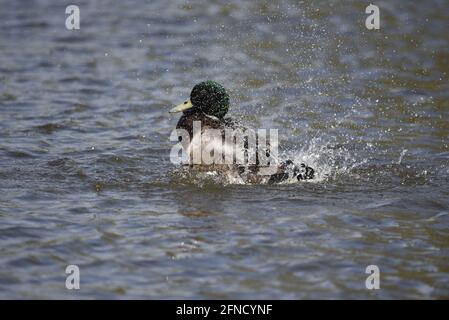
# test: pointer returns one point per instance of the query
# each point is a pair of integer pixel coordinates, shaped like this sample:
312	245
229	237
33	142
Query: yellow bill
186	105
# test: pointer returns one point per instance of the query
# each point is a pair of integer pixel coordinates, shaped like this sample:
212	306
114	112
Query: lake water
86	178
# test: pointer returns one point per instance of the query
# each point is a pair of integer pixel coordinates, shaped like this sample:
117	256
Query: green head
209	97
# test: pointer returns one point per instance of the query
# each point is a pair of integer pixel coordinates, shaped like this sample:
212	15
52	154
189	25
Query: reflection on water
85	175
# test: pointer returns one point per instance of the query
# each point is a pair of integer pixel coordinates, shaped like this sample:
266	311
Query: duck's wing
233	124
276	171
290	171
265	149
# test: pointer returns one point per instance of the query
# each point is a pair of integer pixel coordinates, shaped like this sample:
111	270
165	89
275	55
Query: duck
208	104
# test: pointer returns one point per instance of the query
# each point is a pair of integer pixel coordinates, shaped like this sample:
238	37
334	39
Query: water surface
85	175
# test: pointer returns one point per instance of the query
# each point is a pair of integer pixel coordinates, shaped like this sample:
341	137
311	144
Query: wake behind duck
217	145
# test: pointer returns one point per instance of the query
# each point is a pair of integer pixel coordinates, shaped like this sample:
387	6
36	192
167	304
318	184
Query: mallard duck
209	103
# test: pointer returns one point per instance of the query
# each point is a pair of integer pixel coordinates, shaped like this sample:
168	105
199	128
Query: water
85	176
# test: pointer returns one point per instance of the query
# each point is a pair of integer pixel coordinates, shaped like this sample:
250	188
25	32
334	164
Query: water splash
403	152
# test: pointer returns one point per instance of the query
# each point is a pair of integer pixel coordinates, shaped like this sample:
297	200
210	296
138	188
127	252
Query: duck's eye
185	102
